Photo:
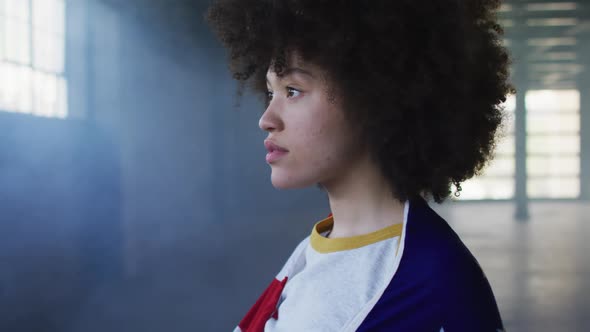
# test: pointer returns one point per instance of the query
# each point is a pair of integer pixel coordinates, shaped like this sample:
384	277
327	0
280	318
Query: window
32	56
553	150
553	143
497	180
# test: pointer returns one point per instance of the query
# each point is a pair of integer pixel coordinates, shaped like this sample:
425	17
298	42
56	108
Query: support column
584	88
520	175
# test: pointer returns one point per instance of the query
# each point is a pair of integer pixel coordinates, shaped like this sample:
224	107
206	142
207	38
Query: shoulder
296	260
438	283
432	248
435	253
431	243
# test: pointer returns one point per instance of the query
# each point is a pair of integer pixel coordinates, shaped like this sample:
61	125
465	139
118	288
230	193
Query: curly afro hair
424	79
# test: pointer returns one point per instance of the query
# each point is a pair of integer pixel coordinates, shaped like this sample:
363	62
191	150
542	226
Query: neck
361	201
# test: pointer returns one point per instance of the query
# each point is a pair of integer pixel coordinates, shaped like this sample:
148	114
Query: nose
270	120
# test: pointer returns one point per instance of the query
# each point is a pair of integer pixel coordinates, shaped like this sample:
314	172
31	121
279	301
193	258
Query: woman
383	104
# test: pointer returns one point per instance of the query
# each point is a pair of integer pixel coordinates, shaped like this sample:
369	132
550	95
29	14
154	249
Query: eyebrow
294	70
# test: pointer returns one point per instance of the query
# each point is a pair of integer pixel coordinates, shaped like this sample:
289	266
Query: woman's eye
291	92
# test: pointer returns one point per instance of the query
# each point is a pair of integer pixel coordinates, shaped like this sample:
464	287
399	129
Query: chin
286	181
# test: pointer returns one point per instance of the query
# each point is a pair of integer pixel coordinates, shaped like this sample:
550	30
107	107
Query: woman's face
301	119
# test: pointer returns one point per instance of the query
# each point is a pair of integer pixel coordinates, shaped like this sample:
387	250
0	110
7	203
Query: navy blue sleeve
438	284
469	301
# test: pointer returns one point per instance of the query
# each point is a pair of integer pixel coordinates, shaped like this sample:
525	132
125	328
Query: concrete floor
539	269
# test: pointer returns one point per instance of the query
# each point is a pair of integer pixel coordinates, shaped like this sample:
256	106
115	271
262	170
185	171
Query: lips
275	152
272	147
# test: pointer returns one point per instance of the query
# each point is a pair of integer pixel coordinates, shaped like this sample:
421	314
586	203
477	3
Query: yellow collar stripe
325	245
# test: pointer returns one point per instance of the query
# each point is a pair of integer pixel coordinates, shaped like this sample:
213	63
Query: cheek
327	146
322	147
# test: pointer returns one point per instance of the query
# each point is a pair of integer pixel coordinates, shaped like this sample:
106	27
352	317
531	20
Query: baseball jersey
412	276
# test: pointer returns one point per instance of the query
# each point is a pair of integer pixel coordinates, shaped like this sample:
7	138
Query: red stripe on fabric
264	308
